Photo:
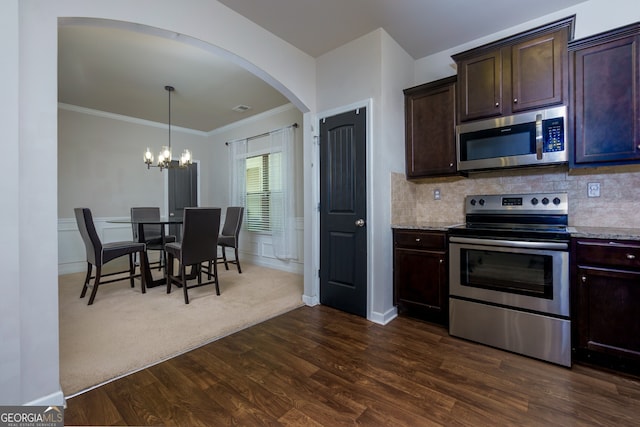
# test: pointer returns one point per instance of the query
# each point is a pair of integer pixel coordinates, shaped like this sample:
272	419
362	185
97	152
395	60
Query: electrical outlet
593	189
436	194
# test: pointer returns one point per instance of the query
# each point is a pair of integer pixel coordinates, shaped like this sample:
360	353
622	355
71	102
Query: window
263	192
263	181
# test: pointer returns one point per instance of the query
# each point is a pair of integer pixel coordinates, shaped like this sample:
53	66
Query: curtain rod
295	125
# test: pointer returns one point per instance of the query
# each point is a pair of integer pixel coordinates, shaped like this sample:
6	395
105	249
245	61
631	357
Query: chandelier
164	158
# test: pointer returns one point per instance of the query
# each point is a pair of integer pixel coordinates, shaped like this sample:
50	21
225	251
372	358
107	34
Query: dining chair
152	232
99	254
229	236
199	244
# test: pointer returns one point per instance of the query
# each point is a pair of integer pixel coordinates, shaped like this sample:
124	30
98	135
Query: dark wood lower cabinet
420	282
606	303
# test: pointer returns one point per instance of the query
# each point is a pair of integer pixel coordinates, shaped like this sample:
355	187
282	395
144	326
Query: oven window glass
519	273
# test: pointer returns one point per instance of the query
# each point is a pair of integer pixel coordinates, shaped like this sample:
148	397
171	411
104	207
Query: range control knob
545	201
481	202
534	201
472	202
556	201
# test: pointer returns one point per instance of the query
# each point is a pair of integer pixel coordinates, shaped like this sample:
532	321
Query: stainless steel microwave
532	138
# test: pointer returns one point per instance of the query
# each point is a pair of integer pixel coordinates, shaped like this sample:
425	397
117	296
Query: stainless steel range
509	275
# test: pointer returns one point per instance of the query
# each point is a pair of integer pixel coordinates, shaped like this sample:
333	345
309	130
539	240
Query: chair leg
215	272
132	270
85	286
237	260
224	257
143	282
94	291
169	272
183	276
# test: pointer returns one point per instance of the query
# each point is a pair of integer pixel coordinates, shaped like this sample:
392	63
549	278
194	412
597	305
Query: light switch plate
593	189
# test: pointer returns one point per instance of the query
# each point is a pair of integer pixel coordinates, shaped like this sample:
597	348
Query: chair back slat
87	229
200	235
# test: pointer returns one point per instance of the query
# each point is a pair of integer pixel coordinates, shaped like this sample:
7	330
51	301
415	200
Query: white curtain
283	203
237	162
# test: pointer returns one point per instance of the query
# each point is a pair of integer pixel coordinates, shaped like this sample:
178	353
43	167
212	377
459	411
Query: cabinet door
420	283
537	68
607	103
430	132
608	321
480	86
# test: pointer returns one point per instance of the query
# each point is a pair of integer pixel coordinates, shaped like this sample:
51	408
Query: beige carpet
125	330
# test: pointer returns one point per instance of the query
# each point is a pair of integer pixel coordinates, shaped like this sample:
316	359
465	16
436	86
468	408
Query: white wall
372	67
10	310
100	162
30	370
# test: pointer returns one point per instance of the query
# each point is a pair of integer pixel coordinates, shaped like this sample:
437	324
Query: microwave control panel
553	139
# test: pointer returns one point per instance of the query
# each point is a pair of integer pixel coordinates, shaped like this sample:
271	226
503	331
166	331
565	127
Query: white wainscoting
254	248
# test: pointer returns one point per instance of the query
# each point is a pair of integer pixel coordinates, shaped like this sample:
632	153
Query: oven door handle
510	243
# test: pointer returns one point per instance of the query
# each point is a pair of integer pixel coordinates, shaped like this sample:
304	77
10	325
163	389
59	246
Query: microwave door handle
539	136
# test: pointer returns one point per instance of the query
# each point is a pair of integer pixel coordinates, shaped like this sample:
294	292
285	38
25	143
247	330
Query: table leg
145	267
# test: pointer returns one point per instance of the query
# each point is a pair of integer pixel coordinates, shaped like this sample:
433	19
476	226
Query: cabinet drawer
615	254
419	239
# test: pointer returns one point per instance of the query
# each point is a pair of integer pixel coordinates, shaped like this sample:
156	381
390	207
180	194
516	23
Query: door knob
360	222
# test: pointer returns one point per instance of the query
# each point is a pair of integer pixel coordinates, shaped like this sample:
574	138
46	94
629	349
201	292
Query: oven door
533	276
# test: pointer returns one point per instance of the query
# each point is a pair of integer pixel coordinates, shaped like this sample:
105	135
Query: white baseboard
53	399
384	318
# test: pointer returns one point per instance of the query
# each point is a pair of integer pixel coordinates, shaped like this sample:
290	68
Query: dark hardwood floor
319	366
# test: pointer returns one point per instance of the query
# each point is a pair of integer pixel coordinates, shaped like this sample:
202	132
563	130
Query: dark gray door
183	192
343	208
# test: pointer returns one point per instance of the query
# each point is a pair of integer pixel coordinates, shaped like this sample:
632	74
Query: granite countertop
584	232
427	225
605	233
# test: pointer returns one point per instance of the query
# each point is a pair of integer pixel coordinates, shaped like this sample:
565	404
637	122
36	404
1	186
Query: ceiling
120	71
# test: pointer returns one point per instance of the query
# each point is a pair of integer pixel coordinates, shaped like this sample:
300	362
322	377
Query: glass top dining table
145	268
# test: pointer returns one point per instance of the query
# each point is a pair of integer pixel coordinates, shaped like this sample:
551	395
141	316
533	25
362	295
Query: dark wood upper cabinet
430	121
480	85
605	98
518	73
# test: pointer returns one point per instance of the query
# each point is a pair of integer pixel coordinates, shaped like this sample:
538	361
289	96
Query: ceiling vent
241	108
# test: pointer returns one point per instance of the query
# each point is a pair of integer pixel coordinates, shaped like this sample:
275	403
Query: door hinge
357	111
318	206
318	274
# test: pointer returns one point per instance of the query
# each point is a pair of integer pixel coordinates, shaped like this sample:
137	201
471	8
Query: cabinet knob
584	279
497	104
631	256
515	100
441	261
450	165
417	239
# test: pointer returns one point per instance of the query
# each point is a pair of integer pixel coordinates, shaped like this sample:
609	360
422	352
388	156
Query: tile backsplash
617	206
